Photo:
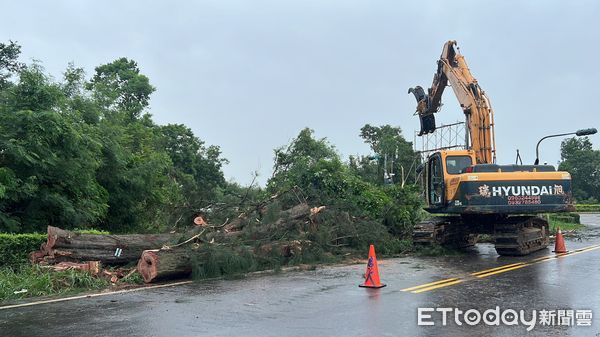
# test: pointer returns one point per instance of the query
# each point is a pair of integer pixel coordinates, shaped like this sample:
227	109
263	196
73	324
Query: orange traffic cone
559	245
372	273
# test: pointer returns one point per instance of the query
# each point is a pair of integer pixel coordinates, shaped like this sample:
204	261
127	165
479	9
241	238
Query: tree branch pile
259	236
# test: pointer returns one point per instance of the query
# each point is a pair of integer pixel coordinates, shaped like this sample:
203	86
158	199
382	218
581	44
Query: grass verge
564	226
566	222
32	281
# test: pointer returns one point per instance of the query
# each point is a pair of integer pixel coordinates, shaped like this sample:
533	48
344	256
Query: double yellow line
499	270
494	271
433	285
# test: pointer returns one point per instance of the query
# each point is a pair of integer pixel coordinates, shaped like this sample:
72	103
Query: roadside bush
15	248
403	211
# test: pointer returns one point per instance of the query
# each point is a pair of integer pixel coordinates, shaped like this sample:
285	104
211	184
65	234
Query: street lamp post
582	132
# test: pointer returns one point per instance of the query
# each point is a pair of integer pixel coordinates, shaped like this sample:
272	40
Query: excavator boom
453	70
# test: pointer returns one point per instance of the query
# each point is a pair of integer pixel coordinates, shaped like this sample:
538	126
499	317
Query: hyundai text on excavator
472	194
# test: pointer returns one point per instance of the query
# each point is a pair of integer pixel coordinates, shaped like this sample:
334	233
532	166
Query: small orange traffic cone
372	273
559	245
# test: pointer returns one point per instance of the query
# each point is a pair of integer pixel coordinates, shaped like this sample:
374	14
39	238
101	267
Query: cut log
66	246
162	264
93	267
297	212
107	256
59	238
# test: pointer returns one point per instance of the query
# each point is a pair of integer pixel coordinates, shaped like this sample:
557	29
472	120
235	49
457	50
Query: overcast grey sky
248	75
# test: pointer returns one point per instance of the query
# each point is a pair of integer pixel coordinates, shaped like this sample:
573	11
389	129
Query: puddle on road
417	266
592	227
183	300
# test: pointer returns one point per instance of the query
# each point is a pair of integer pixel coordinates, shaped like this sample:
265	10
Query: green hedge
15	248
566	217
587	207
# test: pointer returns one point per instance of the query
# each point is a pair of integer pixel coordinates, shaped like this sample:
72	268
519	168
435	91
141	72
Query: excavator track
446	231
521	235
516	235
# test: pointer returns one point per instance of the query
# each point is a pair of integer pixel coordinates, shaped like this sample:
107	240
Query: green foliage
79	154
196	168
587	208
339	232
135	278
306	162
404	210
9	62
39	281
583	162
15	249
313	166
224	261
566	221
393	154
565	217
47	172
91	231
34	91
137	176
359	212
564	226
121	89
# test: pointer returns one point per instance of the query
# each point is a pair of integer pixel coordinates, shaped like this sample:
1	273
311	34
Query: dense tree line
84	152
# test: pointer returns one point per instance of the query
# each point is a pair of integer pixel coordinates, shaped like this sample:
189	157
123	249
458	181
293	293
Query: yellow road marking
437	286
575	252
430	284
543	258
502	270
497	270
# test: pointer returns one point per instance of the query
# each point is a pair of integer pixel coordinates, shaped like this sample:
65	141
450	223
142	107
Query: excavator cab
435	186
440	168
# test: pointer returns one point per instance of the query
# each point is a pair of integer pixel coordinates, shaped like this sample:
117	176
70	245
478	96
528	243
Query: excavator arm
453	70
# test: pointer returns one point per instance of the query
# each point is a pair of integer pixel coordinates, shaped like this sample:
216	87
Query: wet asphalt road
328	302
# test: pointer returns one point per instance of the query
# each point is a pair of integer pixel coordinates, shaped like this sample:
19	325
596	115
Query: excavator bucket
426	118
427	124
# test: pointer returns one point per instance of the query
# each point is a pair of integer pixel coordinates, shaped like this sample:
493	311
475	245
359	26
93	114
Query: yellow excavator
473	194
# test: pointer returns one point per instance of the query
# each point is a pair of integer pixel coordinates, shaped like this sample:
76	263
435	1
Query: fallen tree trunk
67	246
162	264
